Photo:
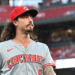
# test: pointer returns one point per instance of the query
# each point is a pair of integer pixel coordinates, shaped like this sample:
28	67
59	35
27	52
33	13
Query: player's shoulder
4	43
41	44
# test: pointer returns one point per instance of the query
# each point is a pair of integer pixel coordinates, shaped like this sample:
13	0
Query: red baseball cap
20	10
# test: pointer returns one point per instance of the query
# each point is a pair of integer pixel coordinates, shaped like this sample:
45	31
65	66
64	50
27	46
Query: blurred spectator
72	0
64	1
63	52
55	1
69	1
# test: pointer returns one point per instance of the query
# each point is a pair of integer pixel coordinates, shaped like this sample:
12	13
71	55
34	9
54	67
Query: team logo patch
25	8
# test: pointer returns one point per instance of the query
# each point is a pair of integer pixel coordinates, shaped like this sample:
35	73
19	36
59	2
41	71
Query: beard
28	29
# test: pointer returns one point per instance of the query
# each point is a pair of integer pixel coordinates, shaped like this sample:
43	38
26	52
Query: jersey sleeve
48	61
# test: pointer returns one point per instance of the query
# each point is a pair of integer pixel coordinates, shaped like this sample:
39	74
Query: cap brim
32	12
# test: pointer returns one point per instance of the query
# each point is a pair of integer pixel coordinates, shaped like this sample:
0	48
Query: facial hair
30	30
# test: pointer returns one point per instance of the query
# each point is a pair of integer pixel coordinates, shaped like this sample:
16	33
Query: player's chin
29	30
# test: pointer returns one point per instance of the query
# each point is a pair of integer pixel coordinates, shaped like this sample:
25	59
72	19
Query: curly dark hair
9	32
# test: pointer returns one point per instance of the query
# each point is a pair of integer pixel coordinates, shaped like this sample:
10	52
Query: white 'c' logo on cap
25	8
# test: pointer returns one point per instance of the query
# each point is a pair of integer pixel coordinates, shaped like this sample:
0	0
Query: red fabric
49	64
20	10
5	11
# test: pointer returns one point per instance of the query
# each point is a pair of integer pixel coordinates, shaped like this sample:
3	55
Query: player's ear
15	22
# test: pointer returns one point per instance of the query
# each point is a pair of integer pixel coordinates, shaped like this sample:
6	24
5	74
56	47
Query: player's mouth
30	24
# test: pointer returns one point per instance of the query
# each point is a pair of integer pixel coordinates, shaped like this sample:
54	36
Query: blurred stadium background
54	25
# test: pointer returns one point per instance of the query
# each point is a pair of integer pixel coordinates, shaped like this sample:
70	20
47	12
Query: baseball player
19	54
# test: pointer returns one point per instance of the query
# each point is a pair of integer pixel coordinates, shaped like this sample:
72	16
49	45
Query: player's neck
22	38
